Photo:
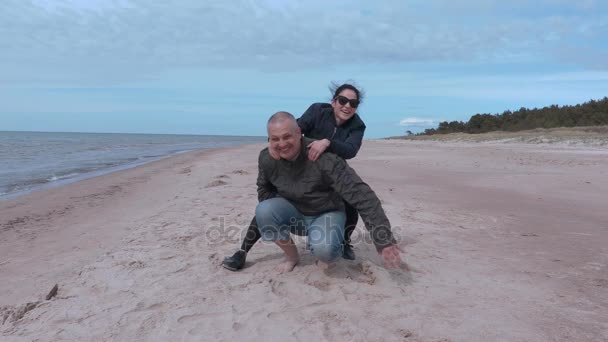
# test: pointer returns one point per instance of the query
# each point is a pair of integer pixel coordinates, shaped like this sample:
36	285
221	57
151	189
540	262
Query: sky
223	67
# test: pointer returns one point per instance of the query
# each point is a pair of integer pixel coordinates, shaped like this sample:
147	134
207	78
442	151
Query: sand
505	242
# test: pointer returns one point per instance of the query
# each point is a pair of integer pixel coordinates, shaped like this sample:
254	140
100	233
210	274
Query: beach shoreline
33	161
41	208
504	242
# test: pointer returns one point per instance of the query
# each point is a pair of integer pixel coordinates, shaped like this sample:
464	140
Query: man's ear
299	131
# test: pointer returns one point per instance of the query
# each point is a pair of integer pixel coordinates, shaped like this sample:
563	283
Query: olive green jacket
318	187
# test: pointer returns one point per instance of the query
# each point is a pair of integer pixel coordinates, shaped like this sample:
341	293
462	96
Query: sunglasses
344	100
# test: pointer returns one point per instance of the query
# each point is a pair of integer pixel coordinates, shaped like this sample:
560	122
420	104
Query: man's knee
272	220
326	252
264	211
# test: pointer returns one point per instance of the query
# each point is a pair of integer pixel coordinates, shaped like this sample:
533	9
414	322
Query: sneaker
348	253
235	262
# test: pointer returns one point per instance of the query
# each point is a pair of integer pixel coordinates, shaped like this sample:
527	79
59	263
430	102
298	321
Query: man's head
284	135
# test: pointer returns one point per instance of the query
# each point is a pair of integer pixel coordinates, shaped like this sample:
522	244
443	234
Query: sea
31	161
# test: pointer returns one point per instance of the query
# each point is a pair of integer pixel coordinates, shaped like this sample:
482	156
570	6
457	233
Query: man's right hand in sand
391	256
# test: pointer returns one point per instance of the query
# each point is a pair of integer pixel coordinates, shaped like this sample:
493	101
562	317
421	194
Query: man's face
284	138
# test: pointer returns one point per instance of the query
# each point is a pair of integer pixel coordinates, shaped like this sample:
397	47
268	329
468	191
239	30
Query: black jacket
319	122
318	187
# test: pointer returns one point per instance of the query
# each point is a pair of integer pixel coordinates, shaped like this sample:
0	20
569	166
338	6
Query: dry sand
506	242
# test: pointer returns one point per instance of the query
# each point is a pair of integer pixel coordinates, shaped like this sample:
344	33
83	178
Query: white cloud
418	122
133	38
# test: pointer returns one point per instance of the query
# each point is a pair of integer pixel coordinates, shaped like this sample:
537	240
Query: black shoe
348	253
235	262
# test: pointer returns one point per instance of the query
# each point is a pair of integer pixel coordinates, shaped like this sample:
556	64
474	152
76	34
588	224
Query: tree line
591	113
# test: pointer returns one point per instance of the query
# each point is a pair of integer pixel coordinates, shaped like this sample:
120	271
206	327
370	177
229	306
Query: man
306	198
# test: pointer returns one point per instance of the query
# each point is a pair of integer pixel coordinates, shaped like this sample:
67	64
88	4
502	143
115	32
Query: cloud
130	39
415	121
418	123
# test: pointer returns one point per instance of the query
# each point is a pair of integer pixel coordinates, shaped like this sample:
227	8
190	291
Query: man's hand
391	256
274	154
316	148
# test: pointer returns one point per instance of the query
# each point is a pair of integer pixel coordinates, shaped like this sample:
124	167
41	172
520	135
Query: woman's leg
251	237
237	260
352	217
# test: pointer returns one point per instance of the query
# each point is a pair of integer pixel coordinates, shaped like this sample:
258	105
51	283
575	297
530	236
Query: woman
338	129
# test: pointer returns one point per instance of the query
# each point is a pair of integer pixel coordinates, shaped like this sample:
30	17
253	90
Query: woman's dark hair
336	89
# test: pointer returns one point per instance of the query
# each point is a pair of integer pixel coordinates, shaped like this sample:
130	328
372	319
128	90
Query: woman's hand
316	148
391	256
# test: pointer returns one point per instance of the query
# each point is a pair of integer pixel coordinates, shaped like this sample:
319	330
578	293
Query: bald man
304	197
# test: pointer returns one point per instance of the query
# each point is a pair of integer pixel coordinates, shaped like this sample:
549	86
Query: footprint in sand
205	322
182	240
318	280
363	273
411	336
215	183
214	258
199	317
278	288
240	172
143	306
136	264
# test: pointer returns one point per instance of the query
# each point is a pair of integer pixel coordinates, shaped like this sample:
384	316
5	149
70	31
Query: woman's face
343	105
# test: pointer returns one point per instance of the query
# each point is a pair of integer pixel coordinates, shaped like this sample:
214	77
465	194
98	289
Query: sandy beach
504	242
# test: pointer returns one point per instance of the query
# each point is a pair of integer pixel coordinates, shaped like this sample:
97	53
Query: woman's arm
307	120
350	147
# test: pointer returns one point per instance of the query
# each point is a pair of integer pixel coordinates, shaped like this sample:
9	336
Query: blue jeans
277	218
